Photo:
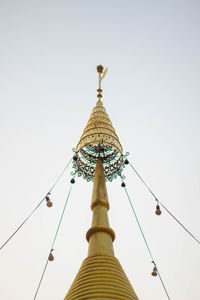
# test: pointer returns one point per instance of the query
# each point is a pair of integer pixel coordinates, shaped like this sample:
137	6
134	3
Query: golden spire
101	276
99	157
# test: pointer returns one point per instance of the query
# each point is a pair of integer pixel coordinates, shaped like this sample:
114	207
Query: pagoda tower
99	157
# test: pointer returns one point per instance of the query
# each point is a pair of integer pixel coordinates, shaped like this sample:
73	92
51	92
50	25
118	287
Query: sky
48	56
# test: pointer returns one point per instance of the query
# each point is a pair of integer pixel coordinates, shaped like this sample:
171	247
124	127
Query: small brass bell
126	161
48	201
158	211
154	273
51	257
72	181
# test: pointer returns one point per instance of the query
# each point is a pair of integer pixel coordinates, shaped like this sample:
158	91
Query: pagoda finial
99	139
100	71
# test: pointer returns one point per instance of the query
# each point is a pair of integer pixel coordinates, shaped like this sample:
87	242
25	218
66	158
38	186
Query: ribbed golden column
100	236
101	275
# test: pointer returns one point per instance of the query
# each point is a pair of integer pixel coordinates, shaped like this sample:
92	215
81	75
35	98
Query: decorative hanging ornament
51	257
72	180
126	161
75	158
158	211
154	273
49	203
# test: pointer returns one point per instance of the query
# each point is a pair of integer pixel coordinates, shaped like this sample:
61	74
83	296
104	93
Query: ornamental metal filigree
99	139
84	161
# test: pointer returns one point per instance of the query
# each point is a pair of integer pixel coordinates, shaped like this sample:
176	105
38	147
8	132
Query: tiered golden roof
99	139
99	130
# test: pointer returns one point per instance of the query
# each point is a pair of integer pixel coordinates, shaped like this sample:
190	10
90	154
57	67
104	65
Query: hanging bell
75	158
123	184
158	211
51	257
126	161
72	180
48	201
154	273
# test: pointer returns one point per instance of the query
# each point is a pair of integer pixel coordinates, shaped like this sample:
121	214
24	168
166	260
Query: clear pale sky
49	51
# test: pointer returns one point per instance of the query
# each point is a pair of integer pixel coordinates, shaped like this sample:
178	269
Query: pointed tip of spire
100	71
99	90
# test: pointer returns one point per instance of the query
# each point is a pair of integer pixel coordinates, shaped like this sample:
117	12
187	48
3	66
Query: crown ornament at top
99	139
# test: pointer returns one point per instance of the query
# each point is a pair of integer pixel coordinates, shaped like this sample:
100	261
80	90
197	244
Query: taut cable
167	210
59	177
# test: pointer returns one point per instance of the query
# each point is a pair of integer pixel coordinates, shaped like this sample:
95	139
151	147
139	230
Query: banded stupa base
101	277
